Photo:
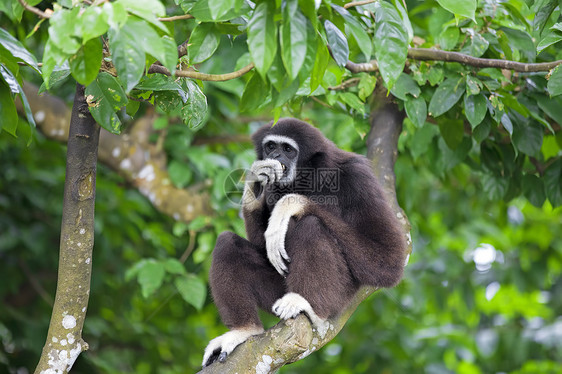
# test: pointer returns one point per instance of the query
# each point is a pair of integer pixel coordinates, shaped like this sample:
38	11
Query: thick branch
426	54
132	155
64	339
437	55
203	76
293	340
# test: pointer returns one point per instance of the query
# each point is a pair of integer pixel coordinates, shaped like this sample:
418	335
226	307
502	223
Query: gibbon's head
292	142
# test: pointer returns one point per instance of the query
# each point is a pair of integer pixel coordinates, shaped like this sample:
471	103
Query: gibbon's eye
287	148
269	146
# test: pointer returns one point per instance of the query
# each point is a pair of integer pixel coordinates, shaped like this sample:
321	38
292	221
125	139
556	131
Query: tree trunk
64	340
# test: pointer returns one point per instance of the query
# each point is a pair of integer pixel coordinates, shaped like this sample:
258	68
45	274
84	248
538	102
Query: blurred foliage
482	292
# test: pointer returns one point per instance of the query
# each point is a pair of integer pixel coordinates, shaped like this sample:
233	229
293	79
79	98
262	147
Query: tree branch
34	10
175	18
293	340
132	155
64	339
426	54
202	76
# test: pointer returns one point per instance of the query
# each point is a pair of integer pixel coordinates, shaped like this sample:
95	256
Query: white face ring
280	139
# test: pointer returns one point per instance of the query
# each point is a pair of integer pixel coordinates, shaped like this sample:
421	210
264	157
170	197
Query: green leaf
357	30
422	139
555	82
473	85
8	111
150	277
494	187
553	182
59	74
195	109
550	39
352	101
391	43
115	13
219	8
203	42
127	53
180	173
254	93
478	45
13	46
551	106
15	87
416	109
405	85
475	108
448	38
528	139
192	289
320	65
160	82
533	189
542	10
93	23
86	63
64	31
105	97
452	132
202	12
147	10
464	8
366	86
262	37
293	38
337	42
173	266
446	95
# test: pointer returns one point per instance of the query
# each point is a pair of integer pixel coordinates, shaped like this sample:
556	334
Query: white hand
267	171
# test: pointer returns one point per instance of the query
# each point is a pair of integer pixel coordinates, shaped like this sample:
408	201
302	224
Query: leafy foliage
479	171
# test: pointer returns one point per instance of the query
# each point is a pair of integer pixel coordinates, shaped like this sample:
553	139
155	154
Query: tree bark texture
64	340
132	155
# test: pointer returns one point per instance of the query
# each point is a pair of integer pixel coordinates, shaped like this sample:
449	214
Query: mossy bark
64	340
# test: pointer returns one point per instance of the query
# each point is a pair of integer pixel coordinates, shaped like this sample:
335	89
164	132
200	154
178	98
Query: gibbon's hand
267	171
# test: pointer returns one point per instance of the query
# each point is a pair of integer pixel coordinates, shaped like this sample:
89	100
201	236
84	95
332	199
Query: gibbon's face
285	150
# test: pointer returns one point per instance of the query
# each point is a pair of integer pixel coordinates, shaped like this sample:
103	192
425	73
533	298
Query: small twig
34	10
175	18
345	84
203	76
190	247
357	3
314	98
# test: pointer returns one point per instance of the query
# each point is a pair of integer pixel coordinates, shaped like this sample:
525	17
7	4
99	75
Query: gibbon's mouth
283	167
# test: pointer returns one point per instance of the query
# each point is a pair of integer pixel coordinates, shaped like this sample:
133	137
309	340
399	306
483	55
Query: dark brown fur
334	248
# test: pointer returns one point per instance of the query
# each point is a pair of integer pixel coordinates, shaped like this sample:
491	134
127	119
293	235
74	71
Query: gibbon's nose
276	155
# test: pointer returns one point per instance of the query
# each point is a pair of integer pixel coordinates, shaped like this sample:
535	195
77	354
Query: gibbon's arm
254	208
291	205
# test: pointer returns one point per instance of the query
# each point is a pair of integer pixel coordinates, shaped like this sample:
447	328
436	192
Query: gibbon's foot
290	305
221	346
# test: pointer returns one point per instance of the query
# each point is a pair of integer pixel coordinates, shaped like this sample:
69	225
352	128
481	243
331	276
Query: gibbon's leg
318	277
242	280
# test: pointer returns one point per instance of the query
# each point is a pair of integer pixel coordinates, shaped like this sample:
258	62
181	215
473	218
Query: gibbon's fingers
226	344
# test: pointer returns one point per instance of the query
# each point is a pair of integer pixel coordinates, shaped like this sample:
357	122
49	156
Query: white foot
290	305
221	346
